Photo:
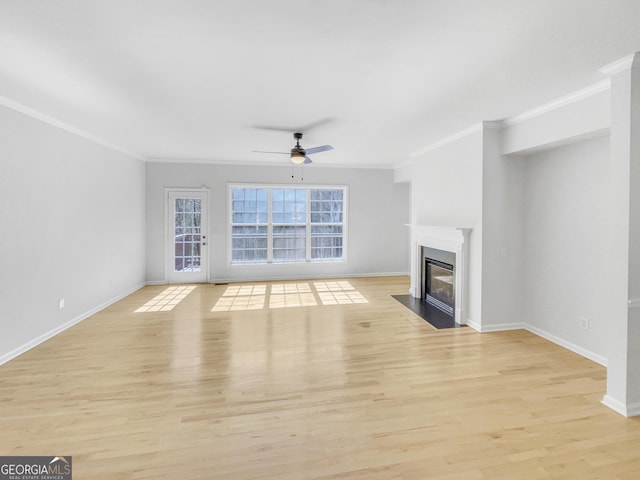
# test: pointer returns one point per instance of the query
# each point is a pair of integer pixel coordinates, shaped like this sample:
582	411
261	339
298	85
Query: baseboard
541	333
155	282
499	327
476	326
568	345
272	278
61	328
632	410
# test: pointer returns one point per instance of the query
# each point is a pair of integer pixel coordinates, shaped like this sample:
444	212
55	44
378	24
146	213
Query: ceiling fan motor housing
298	151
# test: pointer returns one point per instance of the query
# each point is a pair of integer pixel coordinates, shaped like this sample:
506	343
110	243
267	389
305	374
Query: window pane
326	225
289	243
249	205
237	193
187	234
249	244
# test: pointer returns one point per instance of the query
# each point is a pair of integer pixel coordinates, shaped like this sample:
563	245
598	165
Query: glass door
187	259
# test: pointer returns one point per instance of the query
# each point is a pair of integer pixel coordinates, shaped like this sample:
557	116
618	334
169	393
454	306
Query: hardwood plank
316	379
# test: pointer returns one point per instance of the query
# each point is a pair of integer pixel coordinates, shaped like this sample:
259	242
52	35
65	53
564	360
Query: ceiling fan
298	154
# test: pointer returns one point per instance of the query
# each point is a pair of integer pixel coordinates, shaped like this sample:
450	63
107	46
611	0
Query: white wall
446	190
378	210
502	226
566	273
72	216
447	184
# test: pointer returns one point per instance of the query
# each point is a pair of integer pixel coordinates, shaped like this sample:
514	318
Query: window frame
270	224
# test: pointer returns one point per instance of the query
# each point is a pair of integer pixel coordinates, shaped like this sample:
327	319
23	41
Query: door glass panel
187	231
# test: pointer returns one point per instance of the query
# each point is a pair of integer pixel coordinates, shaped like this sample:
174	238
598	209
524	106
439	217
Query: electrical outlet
584	323
61	303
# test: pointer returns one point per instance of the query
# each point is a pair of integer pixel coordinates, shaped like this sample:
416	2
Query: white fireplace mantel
449	239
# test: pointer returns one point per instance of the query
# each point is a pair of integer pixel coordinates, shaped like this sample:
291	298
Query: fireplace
440	269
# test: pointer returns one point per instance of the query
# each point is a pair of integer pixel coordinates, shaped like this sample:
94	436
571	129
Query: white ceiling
379	79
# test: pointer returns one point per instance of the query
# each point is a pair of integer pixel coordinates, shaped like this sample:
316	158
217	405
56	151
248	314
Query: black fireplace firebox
439	285
438	290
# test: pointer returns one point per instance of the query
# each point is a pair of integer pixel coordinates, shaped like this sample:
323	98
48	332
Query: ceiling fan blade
322	148
298	128
307	160
316	124
264	151
273	127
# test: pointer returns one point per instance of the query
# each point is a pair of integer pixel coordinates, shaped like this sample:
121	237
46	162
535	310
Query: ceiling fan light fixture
297	155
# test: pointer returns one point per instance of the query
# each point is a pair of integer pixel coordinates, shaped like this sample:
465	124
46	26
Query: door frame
169	243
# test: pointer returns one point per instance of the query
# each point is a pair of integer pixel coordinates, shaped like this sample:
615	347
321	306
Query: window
249	220
326	223
272	224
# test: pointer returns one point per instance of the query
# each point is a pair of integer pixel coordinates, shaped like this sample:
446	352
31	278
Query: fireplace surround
449	247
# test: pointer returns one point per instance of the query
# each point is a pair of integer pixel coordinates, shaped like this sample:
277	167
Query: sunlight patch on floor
241	302
287	295
241	297
167	300
242	290
338	293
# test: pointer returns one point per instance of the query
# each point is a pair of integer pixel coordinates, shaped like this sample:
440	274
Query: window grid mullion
308	227
270	226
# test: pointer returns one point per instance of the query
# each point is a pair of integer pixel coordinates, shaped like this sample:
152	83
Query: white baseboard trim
614	405
501	327
272	278
61	328
541	333
476	326
568	345
632	410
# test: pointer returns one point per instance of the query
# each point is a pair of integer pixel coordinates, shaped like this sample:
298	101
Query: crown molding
450	139
625	63
493	124
30	112
573	97
232	163
407	162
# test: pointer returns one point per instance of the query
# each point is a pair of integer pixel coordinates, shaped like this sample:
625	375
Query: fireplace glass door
440	285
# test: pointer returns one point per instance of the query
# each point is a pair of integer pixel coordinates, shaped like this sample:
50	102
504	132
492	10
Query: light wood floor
242	383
